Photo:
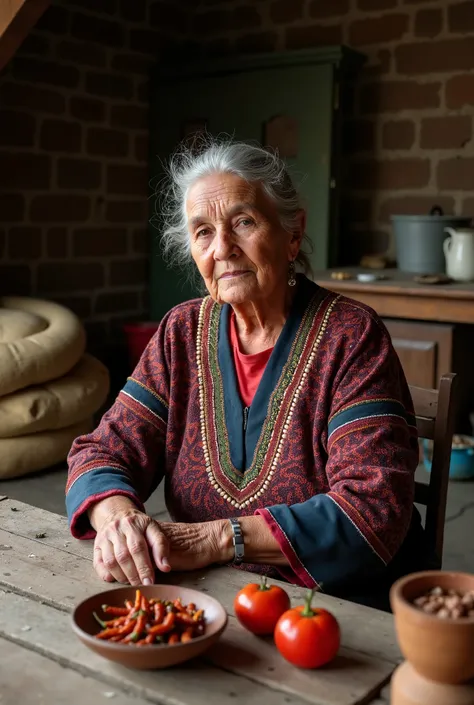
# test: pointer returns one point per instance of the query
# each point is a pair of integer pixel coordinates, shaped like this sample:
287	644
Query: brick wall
409	137
73	158
74	128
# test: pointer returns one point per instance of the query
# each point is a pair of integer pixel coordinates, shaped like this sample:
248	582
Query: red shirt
249	368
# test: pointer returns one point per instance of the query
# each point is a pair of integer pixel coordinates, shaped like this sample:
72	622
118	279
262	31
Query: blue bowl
462	458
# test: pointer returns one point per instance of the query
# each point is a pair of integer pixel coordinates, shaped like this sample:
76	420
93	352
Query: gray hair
210	155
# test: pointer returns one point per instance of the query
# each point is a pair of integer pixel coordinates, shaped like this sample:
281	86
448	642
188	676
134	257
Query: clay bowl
154	655
442	650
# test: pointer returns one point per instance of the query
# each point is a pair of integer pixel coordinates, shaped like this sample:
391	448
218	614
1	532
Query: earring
291	274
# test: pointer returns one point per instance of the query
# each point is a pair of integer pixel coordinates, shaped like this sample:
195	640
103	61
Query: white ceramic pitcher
459	254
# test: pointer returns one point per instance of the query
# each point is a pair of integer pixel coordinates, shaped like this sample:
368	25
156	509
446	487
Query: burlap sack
37	348
20	456
57	404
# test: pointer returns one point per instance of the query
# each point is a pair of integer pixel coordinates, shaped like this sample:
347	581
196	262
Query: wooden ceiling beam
17	18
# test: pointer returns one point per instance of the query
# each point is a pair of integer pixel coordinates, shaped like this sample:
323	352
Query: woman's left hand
195	546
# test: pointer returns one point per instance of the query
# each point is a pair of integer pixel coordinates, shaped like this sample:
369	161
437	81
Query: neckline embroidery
237	478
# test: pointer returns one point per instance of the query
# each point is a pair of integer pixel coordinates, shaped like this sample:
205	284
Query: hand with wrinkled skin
128	543
195	546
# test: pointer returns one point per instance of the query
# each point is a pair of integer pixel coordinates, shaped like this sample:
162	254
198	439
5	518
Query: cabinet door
418	358
240	104
424	349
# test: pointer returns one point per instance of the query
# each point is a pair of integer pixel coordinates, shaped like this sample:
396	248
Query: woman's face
241	250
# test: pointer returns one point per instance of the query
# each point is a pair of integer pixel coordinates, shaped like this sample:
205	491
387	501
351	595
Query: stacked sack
49	387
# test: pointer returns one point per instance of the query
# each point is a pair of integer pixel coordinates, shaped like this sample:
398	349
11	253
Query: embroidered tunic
326	453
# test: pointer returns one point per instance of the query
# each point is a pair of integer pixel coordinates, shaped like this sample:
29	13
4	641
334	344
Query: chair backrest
434	410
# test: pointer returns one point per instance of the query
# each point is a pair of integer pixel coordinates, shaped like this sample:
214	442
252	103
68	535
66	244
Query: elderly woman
276	412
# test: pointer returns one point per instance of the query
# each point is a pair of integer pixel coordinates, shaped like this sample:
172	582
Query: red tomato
258	607
308	637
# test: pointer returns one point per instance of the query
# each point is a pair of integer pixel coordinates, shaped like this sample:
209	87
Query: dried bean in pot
446	604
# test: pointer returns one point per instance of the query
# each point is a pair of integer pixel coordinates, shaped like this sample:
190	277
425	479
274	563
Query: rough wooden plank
351	679
425	401
425	427
195	683
363	629
17	18
28	521
30	679
384	697
63	580
48	574
9	9
366	630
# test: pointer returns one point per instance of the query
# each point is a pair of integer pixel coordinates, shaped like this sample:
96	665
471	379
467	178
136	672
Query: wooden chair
434	410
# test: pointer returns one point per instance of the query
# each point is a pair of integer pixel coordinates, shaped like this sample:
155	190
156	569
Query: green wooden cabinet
246	97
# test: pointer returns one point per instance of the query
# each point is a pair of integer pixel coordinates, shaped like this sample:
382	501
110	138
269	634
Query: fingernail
165	562
147	581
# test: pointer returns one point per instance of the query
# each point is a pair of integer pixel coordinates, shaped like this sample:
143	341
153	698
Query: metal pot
419	240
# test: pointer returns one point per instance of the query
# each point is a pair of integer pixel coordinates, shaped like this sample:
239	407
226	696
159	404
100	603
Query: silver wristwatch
238	541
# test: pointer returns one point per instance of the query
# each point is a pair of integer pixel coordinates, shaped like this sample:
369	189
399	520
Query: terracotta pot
409	688
441	650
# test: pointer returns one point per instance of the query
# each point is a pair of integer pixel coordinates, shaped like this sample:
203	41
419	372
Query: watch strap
238	541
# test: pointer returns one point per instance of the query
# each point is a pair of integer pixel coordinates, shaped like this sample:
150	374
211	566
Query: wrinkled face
241	250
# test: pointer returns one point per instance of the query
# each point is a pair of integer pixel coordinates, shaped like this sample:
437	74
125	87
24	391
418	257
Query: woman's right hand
129	544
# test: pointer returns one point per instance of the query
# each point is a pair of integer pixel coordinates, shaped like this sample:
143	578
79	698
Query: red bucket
137	336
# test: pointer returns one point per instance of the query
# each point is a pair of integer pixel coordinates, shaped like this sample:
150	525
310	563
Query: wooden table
398	296
44	573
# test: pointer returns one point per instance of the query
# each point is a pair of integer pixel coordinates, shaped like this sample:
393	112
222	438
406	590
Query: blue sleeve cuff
326	542
91	487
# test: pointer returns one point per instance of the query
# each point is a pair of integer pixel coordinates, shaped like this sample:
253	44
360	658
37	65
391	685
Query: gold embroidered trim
204	401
